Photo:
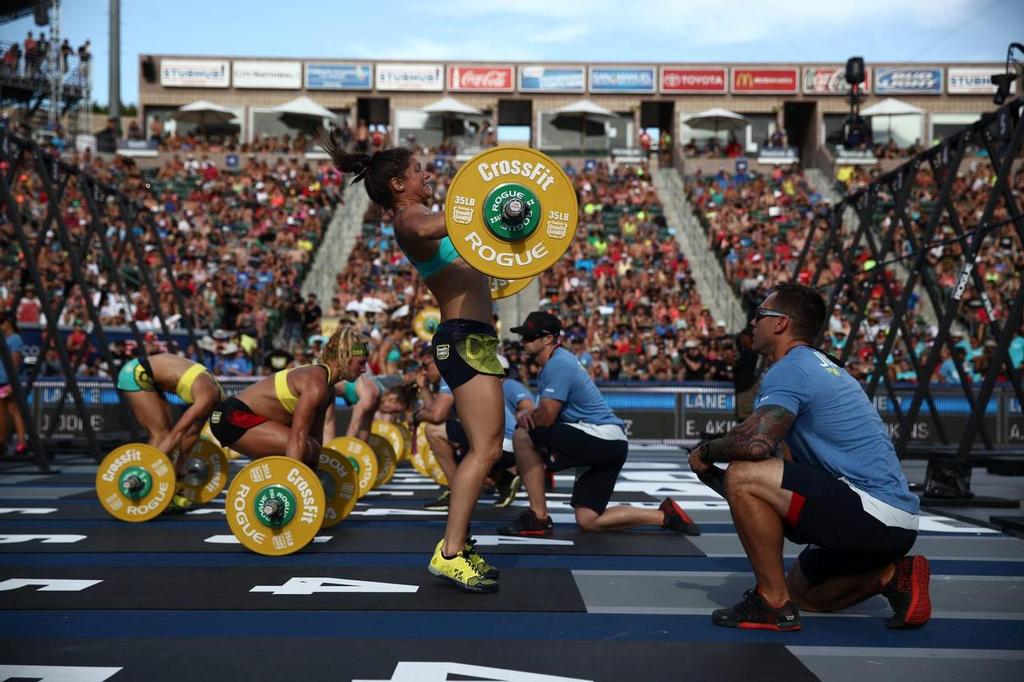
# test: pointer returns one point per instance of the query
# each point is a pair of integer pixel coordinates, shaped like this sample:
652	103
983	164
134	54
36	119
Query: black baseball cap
538	324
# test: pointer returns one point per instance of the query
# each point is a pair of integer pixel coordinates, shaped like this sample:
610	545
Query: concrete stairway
715	291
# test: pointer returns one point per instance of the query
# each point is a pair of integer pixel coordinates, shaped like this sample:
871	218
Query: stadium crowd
237	242
758	225
233	244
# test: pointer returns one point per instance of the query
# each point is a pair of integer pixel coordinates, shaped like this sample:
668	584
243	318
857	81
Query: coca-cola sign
705	80
481	78
831	80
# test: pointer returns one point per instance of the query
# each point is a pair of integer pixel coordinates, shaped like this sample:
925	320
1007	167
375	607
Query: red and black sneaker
754	613
676	519
907	593
529	526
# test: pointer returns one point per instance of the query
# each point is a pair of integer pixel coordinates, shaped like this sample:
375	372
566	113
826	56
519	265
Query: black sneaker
753	613
907	593
508	488
441	503
529	526
676	519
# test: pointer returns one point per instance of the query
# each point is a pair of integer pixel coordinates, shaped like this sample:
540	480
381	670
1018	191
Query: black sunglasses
767	312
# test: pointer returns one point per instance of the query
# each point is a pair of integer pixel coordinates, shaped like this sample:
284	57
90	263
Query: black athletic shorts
464	348
842	538
457	437
564	446
231	418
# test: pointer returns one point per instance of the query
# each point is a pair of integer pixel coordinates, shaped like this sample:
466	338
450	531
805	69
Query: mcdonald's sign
772	81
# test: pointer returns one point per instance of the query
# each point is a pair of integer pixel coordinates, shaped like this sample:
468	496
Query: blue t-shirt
510	422
565	380
510	417
837	429
515	393
14	345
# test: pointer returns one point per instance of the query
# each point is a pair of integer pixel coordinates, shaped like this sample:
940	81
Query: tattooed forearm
755	438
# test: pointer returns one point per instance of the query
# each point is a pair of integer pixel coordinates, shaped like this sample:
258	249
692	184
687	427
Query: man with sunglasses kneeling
843	494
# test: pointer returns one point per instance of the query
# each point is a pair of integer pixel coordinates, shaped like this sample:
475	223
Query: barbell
135	482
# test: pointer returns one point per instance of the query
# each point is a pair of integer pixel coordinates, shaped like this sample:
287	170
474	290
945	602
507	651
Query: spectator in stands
31	55
8	408
12	58
733	149
311	316
84	59
29	307
65	53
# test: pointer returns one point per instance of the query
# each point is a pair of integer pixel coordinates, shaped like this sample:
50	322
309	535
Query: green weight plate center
511	212
274	506
135	483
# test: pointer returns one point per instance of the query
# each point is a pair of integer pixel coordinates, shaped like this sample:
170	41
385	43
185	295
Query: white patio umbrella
717	119
304	106
304	114
450	105
579	114
889	107
450	109
203	113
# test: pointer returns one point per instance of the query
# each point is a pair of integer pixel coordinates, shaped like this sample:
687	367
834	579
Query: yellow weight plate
275	506
390	431
353	447
135	482
421	456
436	472
503	288
206	472
341	484
511	212
425	323
406	440
386	459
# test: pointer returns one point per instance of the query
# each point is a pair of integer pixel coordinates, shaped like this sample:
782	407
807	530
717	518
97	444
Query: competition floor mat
86	597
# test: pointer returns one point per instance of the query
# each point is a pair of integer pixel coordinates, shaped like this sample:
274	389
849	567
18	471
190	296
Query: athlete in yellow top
143	382
284	413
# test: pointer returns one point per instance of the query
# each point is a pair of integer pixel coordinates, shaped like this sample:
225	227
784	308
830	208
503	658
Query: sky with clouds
649	31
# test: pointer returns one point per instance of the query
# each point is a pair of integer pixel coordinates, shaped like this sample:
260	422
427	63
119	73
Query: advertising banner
481	78
708	81
830	80
410	77
194	73
339	76
639	79
908	81
974	81
552	79
267	75
765	80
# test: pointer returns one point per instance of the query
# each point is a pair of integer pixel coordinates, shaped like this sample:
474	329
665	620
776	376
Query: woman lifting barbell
285	412
143	381
464	345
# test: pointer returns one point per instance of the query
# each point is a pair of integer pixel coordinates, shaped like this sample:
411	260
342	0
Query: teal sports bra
446	254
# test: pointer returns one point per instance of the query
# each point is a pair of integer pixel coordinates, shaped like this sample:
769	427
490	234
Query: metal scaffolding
908	215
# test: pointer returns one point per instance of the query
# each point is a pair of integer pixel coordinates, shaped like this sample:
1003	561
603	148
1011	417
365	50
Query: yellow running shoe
481	565
460	571
179	505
